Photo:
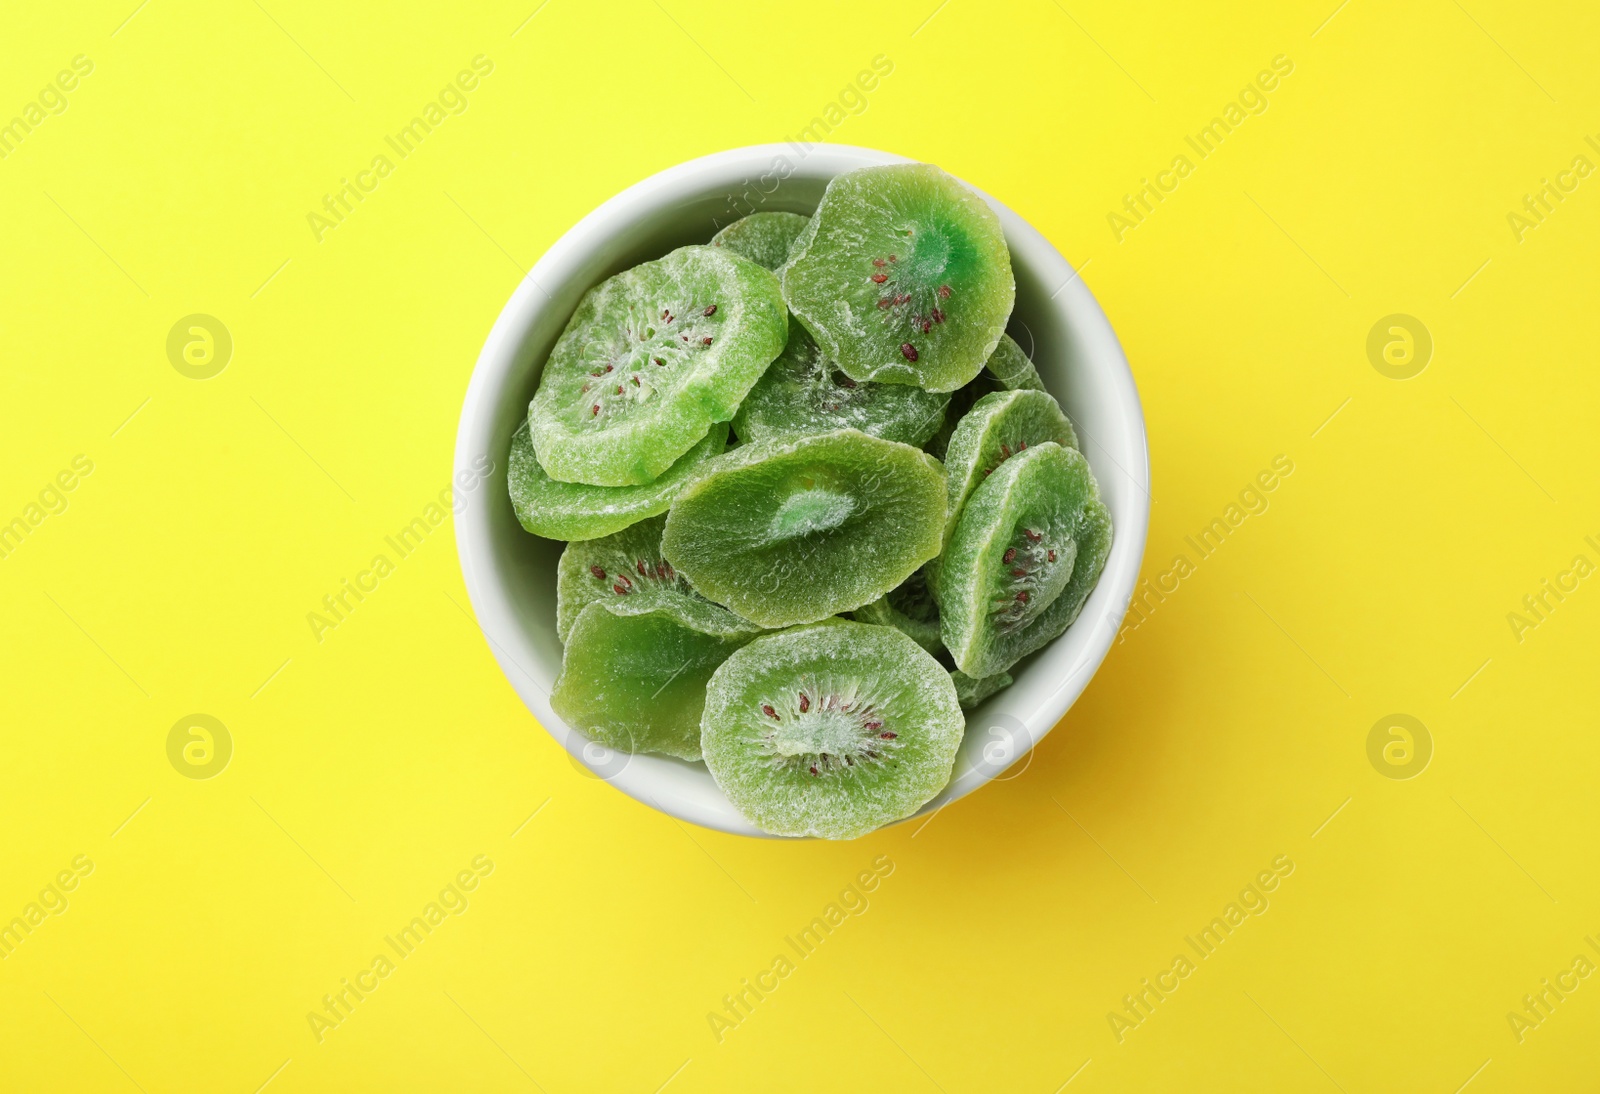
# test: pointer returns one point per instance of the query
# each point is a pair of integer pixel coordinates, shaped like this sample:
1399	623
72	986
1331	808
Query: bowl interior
510	574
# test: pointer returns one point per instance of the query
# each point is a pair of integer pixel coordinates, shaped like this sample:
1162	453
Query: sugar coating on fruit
796	529
638	682
1028	548
809	511
909	608
650	359
998	427
572	510
628	573
804	392
902	276
763	238
830	730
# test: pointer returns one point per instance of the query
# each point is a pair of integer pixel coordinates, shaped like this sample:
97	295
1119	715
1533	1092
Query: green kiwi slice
650	359
572	510
1011	368
795	529
804	392
830	730
1027	550
998	427
972	691
908	607
637	683
902	276
627	572
763	238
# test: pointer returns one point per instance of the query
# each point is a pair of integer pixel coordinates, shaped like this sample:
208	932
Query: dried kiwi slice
637	682
973	691
902	276
830	730
1026	552
763	238
910	608
573	510
998	427
650	359
793	530
1011	368
804	392
628	573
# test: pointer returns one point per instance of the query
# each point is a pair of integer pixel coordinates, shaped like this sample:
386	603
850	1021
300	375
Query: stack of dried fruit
820	601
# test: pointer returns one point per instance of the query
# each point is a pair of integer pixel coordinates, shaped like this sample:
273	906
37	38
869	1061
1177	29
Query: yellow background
372	766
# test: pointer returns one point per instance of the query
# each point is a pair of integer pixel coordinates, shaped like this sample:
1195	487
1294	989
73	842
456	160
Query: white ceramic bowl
511	575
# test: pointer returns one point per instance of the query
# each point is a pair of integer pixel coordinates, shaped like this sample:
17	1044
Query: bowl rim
660	784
